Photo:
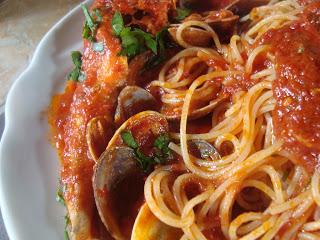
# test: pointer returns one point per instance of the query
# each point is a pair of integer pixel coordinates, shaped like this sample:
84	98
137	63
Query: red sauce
297	86
155	13
214	232
70	113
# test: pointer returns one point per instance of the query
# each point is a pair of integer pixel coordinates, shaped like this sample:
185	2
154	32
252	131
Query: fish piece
106	74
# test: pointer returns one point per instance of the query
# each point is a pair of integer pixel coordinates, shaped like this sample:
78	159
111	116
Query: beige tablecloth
22	25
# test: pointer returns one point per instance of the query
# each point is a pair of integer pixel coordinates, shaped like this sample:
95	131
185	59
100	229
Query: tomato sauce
69	114
297	86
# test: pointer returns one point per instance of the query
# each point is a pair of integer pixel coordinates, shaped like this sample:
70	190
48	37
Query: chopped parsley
59	194
162	143
133	40
60	199
156	59
67	222
182	13
91	23
129	140
76	74
162	151
117	23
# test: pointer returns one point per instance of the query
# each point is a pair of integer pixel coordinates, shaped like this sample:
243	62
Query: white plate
28	164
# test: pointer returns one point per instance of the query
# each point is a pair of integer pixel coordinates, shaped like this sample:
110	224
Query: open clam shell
132	100
148	227
203	149
222	21
243	7
98	133
118	181
118	186
196	113
193	36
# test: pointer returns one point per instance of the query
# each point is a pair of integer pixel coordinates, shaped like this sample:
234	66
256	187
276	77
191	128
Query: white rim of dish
8	222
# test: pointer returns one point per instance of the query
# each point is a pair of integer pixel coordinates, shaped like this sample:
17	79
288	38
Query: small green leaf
182	13
89	20
144	161
67	222
129	140
76	73
134	41
59	197
76	58
117	23
152	44
97	12
91	23
161	38
86	33
98	46
127	38
66	235
147	162
162	141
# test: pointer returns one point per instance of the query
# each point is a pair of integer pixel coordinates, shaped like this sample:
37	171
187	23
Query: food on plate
192	119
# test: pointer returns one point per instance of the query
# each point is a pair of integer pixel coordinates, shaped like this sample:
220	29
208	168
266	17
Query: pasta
258	178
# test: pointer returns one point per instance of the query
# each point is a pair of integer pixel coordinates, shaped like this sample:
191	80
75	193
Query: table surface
22	25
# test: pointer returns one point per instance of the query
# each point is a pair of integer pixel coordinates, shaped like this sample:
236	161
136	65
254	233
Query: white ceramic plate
28	164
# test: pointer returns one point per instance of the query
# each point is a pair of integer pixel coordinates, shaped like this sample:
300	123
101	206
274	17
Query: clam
118	184
145	126
118	181
132	100
196	113
98	133
203	149
148	227
193	36
243	7
222	21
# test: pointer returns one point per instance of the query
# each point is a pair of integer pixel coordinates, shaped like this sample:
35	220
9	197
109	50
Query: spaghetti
254	100
257	161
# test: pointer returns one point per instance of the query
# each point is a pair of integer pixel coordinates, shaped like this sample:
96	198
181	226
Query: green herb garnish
67	222
76	74
98	15
91	23
182	13
60	192
133	40
145	162
163	151
128	139
162	143
117	23
156	59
